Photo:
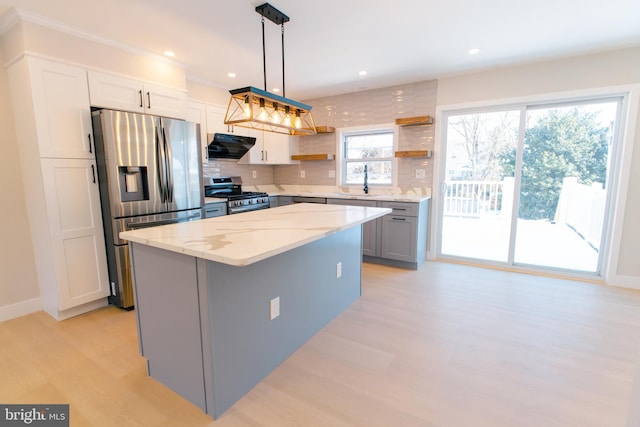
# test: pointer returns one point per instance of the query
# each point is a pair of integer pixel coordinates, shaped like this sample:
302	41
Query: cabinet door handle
399	209
140	93
93	173
266	156
262	155
398	219
89	138
148	100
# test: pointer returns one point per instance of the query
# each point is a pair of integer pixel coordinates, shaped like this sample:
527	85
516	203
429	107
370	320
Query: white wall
18	284
602	70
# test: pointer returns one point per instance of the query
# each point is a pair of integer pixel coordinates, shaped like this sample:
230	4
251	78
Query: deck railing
474	198
580	207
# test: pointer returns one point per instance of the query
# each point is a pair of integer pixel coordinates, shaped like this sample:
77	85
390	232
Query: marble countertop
391	194
330	195
377	197
250	237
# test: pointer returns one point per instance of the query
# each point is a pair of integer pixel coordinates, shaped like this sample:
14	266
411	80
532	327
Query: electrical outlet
254	174
332	174
302	174
339	270
274	308
419	173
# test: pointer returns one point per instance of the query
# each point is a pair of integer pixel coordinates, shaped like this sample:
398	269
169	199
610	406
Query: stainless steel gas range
230	188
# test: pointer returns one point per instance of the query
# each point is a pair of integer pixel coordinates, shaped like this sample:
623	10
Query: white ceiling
328	42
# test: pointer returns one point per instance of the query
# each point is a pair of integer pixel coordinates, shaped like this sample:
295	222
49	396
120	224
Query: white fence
581	207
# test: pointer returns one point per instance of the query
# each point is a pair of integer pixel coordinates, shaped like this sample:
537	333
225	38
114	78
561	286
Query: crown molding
7	22
16	15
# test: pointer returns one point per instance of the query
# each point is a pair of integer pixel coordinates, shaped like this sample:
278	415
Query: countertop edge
132	236
372	197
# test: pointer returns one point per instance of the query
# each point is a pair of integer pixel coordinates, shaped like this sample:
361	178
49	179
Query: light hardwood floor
448	345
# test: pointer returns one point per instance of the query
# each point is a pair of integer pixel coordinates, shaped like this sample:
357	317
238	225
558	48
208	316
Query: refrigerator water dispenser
134	184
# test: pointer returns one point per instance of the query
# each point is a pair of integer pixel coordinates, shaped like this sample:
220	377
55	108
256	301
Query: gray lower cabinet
284	200
215	209
369	229
399	238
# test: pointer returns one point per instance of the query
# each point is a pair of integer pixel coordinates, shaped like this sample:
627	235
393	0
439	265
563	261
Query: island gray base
204	326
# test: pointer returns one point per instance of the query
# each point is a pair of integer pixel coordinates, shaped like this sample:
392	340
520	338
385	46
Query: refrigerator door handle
161	165
169	174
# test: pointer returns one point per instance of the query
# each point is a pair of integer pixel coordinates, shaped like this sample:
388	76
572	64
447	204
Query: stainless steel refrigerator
150	173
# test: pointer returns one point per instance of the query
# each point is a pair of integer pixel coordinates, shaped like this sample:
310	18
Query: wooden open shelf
321	129
414	153
325	129
415	121
313	157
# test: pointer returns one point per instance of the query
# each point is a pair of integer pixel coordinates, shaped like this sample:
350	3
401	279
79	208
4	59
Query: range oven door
246	208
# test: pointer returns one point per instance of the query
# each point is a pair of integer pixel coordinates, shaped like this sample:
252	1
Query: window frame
343	133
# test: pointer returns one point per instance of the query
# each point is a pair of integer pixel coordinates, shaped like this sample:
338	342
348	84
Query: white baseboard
81	309
631	282
20	309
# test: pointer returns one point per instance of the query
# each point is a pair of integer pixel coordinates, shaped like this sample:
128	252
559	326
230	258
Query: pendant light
254	108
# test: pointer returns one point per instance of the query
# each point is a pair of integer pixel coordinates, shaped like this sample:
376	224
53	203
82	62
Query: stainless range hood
227	146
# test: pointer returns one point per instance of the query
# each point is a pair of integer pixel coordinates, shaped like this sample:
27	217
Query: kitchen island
221	302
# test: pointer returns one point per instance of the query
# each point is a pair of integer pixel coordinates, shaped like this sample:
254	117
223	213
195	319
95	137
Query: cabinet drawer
352	202
285	200
402	208
215	209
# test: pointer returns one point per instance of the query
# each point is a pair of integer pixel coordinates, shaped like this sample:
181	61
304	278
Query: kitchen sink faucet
366	178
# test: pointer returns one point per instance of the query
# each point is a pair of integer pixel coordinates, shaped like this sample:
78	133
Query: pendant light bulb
298	123
287	116
262	115
276	114
247	107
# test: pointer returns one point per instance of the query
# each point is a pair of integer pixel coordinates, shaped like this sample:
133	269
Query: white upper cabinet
270	148
197	113
122	93
60	98
215	119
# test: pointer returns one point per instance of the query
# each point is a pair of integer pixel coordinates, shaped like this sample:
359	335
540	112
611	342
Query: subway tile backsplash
214	168
370	107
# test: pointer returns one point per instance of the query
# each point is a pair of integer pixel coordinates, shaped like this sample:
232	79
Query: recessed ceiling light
275	89
362	73
232	75
169	53
474	51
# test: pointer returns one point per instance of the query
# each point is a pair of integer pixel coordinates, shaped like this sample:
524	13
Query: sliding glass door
563	189
478	196
528	186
